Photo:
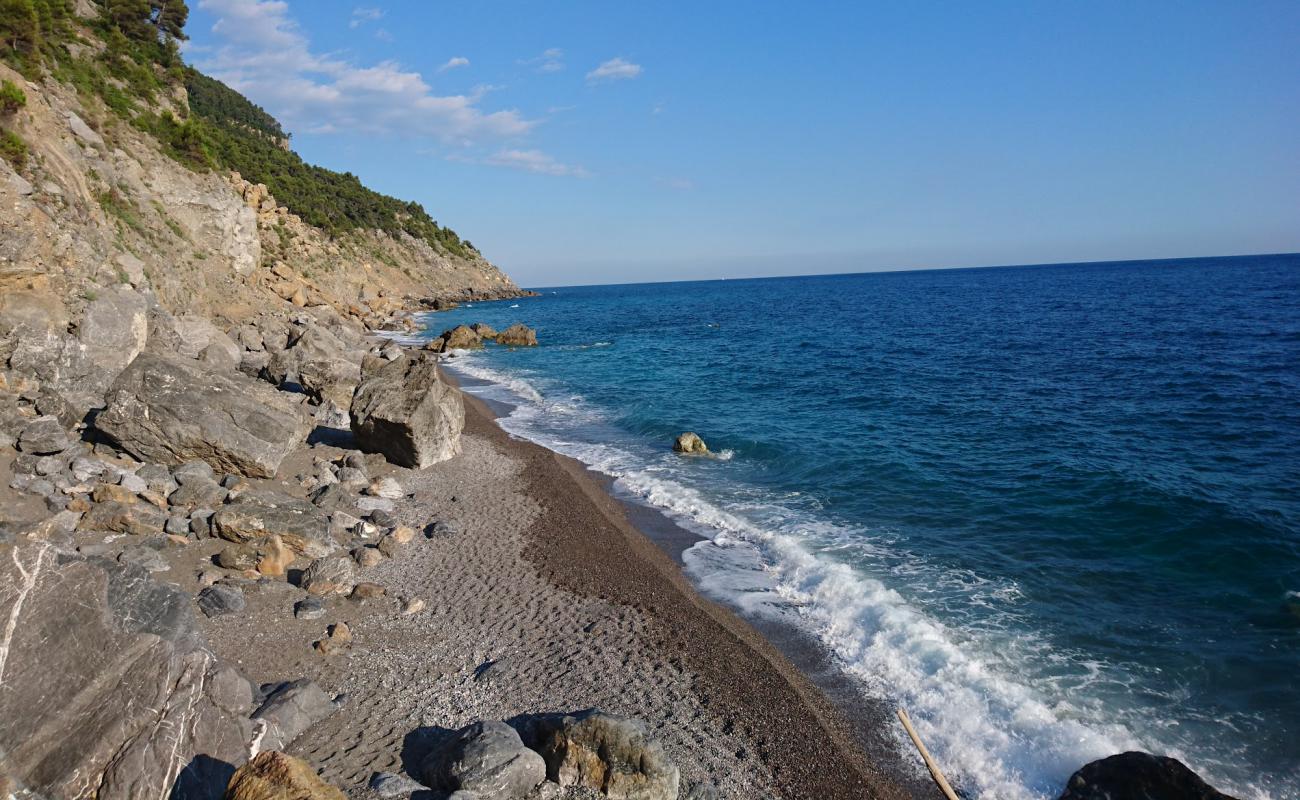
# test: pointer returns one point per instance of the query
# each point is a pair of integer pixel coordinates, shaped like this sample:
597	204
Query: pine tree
169	17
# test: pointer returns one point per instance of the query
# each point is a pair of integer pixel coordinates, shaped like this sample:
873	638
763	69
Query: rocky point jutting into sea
252	548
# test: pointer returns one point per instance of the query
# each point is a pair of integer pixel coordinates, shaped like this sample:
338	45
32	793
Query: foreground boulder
488	759
405	412
611	754
276	776
320	363
517	335
168	411
690	443
290	709
255	517
1139	776
106	687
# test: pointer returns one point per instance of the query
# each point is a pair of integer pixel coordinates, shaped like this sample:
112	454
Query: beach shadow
419	743
332	437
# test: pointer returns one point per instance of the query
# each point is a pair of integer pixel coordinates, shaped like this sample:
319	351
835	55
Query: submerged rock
168	411
405	412
276	776
487	758
1138	776
690	443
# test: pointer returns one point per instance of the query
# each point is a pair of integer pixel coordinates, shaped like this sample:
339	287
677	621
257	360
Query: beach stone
702	791
609	753
84	469
218	600
44	436
389	546
517	335
487	758
121	517
1138	776
255	516
166	410
192	471
402	534
274	557
275	776
367	591
201	522
107	682
195	493
290	709
405	412
144	557
387	488
442	528
389	785
690	443
309	608
329	575
367	557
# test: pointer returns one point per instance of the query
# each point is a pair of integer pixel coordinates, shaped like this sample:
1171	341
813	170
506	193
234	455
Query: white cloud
551	60
534	161
615	69
264	54
453	63
360	16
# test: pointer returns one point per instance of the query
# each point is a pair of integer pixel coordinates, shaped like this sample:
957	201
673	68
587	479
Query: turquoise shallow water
1053	510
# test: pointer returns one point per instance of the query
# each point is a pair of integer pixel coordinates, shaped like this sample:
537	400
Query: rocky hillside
110	178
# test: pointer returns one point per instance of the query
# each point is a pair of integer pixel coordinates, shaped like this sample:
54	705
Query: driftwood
925	754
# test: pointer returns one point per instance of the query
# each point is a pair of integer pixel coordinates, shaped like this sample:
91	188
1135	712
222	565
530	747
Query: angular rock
198	493
329	575
484	330
690	443
517	335
487	758
389	785
192	471
1138	776
165	410
309	608
611	754
291	708
44	436
255	516
119	517
238	557
218	600
405	412
320	363
461	337
275	776
105	683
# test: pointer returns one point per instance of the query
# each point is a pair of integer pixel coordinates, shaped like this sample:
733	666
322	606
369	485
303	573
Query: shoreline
838	735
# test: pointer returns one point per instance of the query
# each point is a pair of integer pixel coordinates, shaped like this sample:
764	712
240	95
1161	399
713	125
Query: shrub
13	149
11	97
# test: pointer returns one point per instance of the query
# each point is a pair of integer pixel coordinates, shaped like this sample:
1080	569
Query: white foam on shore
996	734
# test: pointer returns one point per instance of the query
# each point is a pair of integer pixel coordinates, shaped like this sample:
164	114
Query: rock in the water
170	411
461	337
44	436
275	776
517	335
405	412
216	601
1138	776
487	758
291	708
256	516
690	443
484	330
608	753
329	575
105	683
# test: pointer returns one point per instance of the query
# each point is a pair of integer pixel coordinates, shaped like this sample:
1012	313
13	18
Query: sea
1052	511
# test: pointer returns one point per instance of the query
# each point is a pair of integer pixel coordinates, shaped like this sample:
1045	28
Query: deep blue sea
1054	511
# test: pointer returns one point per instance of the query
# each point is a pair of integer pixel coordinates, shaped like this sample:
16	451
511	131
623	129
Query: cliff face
98	204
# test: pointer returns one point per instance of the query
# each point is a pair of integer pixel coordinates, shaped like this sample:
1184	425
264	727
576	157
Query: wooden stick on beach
925	754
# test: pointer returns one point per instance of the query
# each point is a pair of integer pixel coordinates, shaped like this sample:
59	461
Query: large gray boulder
256	516
405	412
290	709
487	758
1138	776
320	363
610	754
168	410
106	687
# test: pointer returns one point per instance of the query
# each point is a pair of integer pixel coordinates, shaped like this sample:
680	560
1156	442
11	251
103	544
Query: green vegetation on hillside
133	59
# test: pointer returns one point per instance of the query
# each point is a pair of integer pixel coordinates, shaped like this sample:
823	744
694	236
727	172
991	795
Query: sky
599	142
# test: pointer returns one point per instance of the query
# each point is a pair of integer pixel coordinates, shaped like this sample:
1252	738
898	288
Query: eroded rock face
487	758
405	412
106	688
1138	776
611	754
276	776
168	411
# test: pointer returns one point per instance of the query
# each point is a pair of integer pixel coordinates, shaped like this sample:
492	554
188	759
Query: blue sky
586	142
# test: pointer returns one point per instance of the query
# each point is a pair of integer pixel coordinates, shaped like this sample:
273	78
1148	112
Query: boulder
329	575
166	410
405	412
272	775
484	330
1138	776
43	436
117	516
320	363
611	754
461	337
193	335
257	516
290	709
487	758
218	600
517	335
690	444
106	686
